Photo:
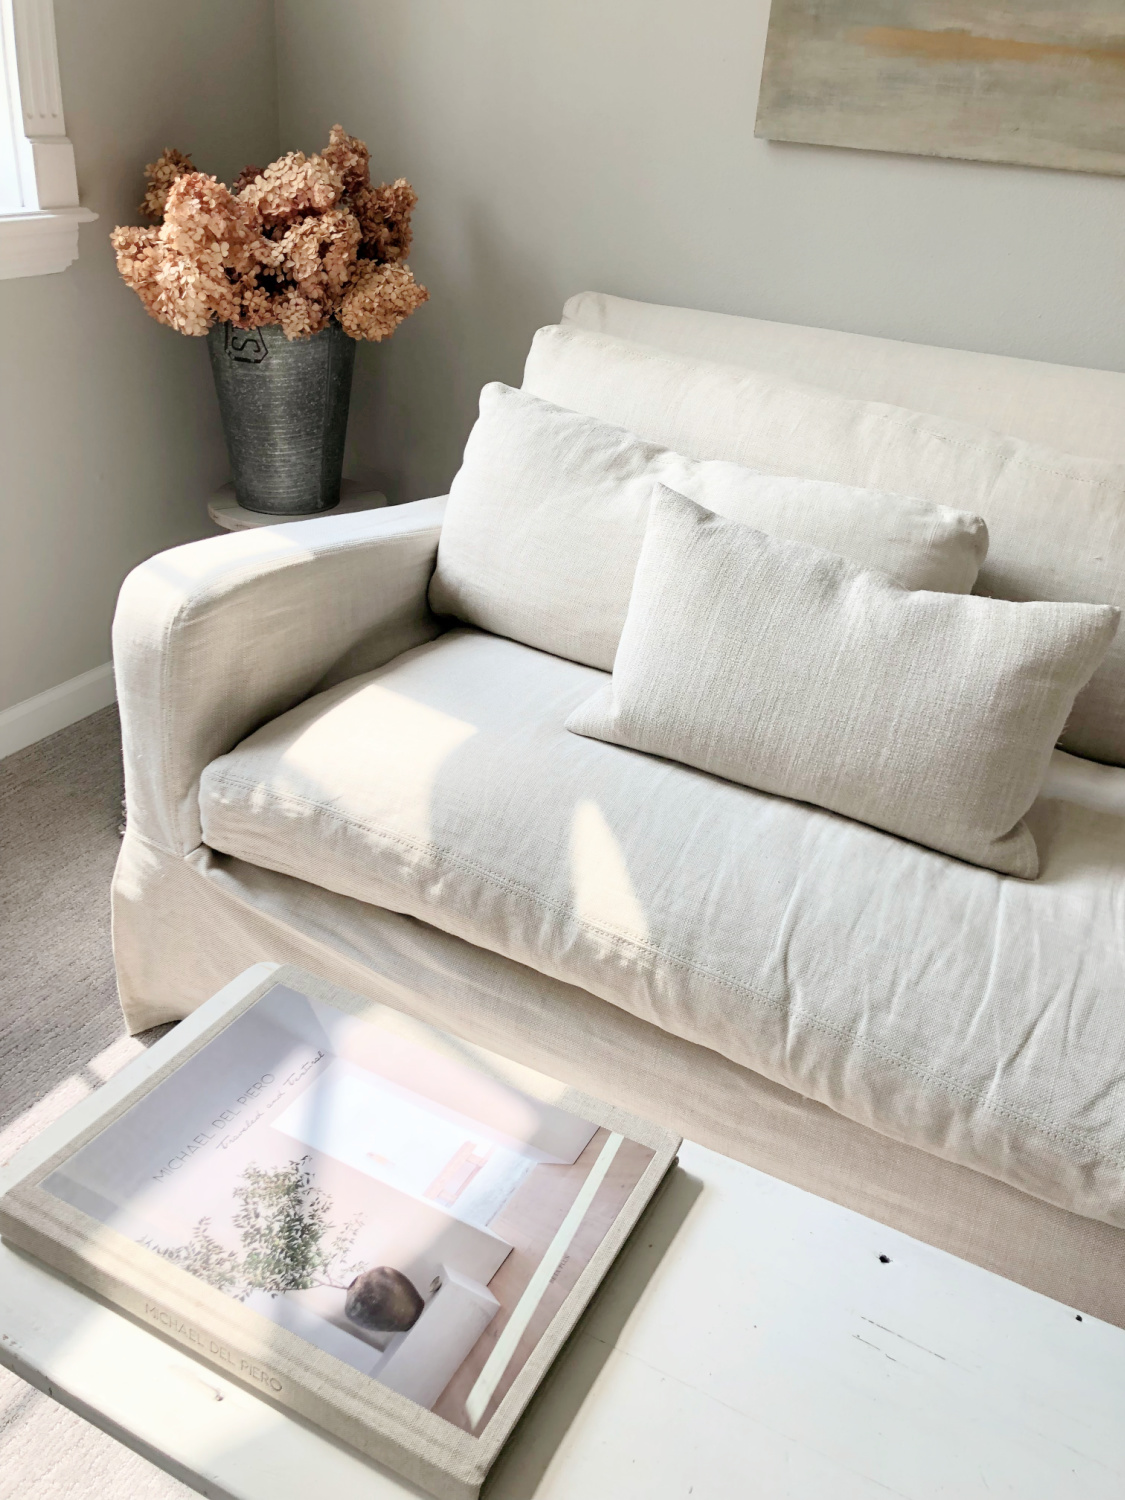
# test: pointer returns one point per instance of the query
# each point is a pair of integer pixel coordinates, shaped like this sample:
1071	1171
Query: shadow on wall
414	398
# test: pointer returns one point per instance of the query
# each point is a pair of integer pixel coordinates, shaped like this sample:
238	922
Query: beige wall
109	432
610	144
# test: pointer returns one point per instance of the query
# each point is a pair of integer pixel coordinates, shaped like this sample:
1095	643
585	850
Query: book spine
199	1335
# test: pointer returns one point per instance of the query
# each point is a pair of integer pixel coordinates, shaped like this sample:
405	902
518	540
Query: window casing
39	208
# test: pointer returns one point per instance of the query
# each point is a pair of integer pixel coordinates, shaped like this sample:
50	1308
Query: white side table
226	512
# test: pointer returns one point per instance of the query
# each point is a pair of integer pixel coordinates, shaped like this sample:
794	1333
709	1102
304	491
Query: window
39	210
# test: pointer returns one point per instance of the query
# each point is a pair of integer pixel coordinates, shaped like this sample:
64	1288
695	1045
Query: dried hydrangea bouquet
282	271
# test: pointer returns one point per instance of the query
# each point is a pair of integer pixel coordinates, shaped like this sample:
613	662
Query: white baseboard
48	712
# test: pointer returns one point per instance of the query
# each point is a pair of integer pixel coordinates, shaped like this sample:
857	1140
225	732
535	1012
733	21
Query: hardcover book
377	1225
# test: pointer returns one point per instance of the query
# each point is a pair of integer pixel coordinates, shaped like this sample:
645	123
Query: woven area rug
61	1035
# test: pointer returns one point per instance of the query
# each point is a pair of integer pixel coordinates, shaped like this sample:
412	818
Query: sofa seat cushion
976	1016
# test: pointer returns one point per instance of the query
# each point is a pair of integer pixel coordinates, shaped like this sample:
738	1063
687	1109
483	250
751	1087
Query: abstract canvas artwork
1040	82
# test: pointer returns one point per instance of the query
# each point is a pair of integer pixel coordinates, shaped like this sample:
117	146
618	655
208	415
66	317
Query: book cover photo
402	1209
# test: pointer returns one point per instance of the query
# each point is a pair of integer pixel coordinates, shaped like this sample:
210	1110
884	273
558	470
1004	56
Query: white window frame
39	208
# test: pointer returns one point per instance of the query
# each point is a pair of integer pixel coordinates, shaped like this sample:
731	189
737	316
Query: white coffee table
750	1342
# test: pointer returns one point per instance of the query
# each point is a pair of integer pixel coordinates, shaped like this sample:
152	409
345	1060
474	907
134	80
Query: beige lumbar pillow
1056	522
547	514
791	670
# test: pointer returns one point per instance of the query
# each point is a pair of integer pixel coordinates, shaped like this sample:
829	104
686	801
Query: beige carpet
61	1035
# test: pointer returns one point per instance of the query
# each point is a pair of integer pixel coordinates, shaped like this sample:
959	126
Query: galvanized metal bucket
285	414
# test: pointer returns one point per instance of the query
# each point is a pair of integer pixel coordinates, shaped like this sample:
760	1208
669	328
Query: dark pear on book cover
384	1301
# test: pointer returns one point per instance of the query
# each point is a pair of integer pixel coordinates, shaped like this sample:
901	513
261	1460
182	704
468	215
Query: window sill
40	242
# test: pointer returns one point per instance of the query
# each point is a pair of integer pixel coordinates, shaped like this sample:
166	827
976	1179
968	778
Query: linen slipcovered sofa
320	770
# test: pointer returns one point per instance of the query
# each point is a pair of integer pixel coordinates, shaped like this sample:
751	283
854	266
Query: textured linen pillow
546	518
792	670
1056	522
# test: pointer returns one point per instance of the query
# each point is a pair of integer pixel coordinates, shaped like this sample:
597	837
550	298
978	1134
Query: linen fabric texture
1059	406
947	1006
213	638
162	904
789	669
917	998
1056	521
546	517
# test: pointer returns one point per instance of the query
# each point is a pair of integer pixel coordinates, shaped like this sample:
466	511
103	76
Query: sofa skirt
183	927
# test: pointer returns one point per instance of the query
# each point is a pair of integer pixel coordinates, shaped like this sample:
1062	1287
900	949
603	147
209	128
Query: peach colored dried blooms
384	217
291	187
297	315
245	178
190	271
376	304
321	251
160	175
349	157
295	243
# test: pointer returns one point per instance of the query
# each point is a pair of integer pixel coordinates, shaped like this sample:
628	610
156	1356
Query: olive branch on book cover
289	1244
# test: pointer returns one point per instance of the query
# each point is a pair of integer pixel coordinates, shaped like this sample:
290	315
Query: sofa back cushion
1061	406
547	514
1056	521
791	670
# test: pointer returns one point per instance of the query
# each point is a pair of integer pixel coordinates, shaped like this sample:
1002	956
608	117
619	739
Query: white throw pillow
1056	522
789	669
546	517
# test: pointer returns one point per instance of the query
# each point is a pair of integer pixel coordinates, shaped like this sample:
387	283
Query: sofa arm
215	638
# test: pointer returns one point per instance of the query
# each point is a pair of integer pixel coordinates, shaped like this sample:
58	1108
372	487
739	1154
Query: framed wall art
1039	82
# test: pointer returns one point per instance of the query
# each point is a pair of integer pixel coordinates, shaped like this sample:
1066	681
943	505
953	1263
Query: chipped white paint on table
750	1342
